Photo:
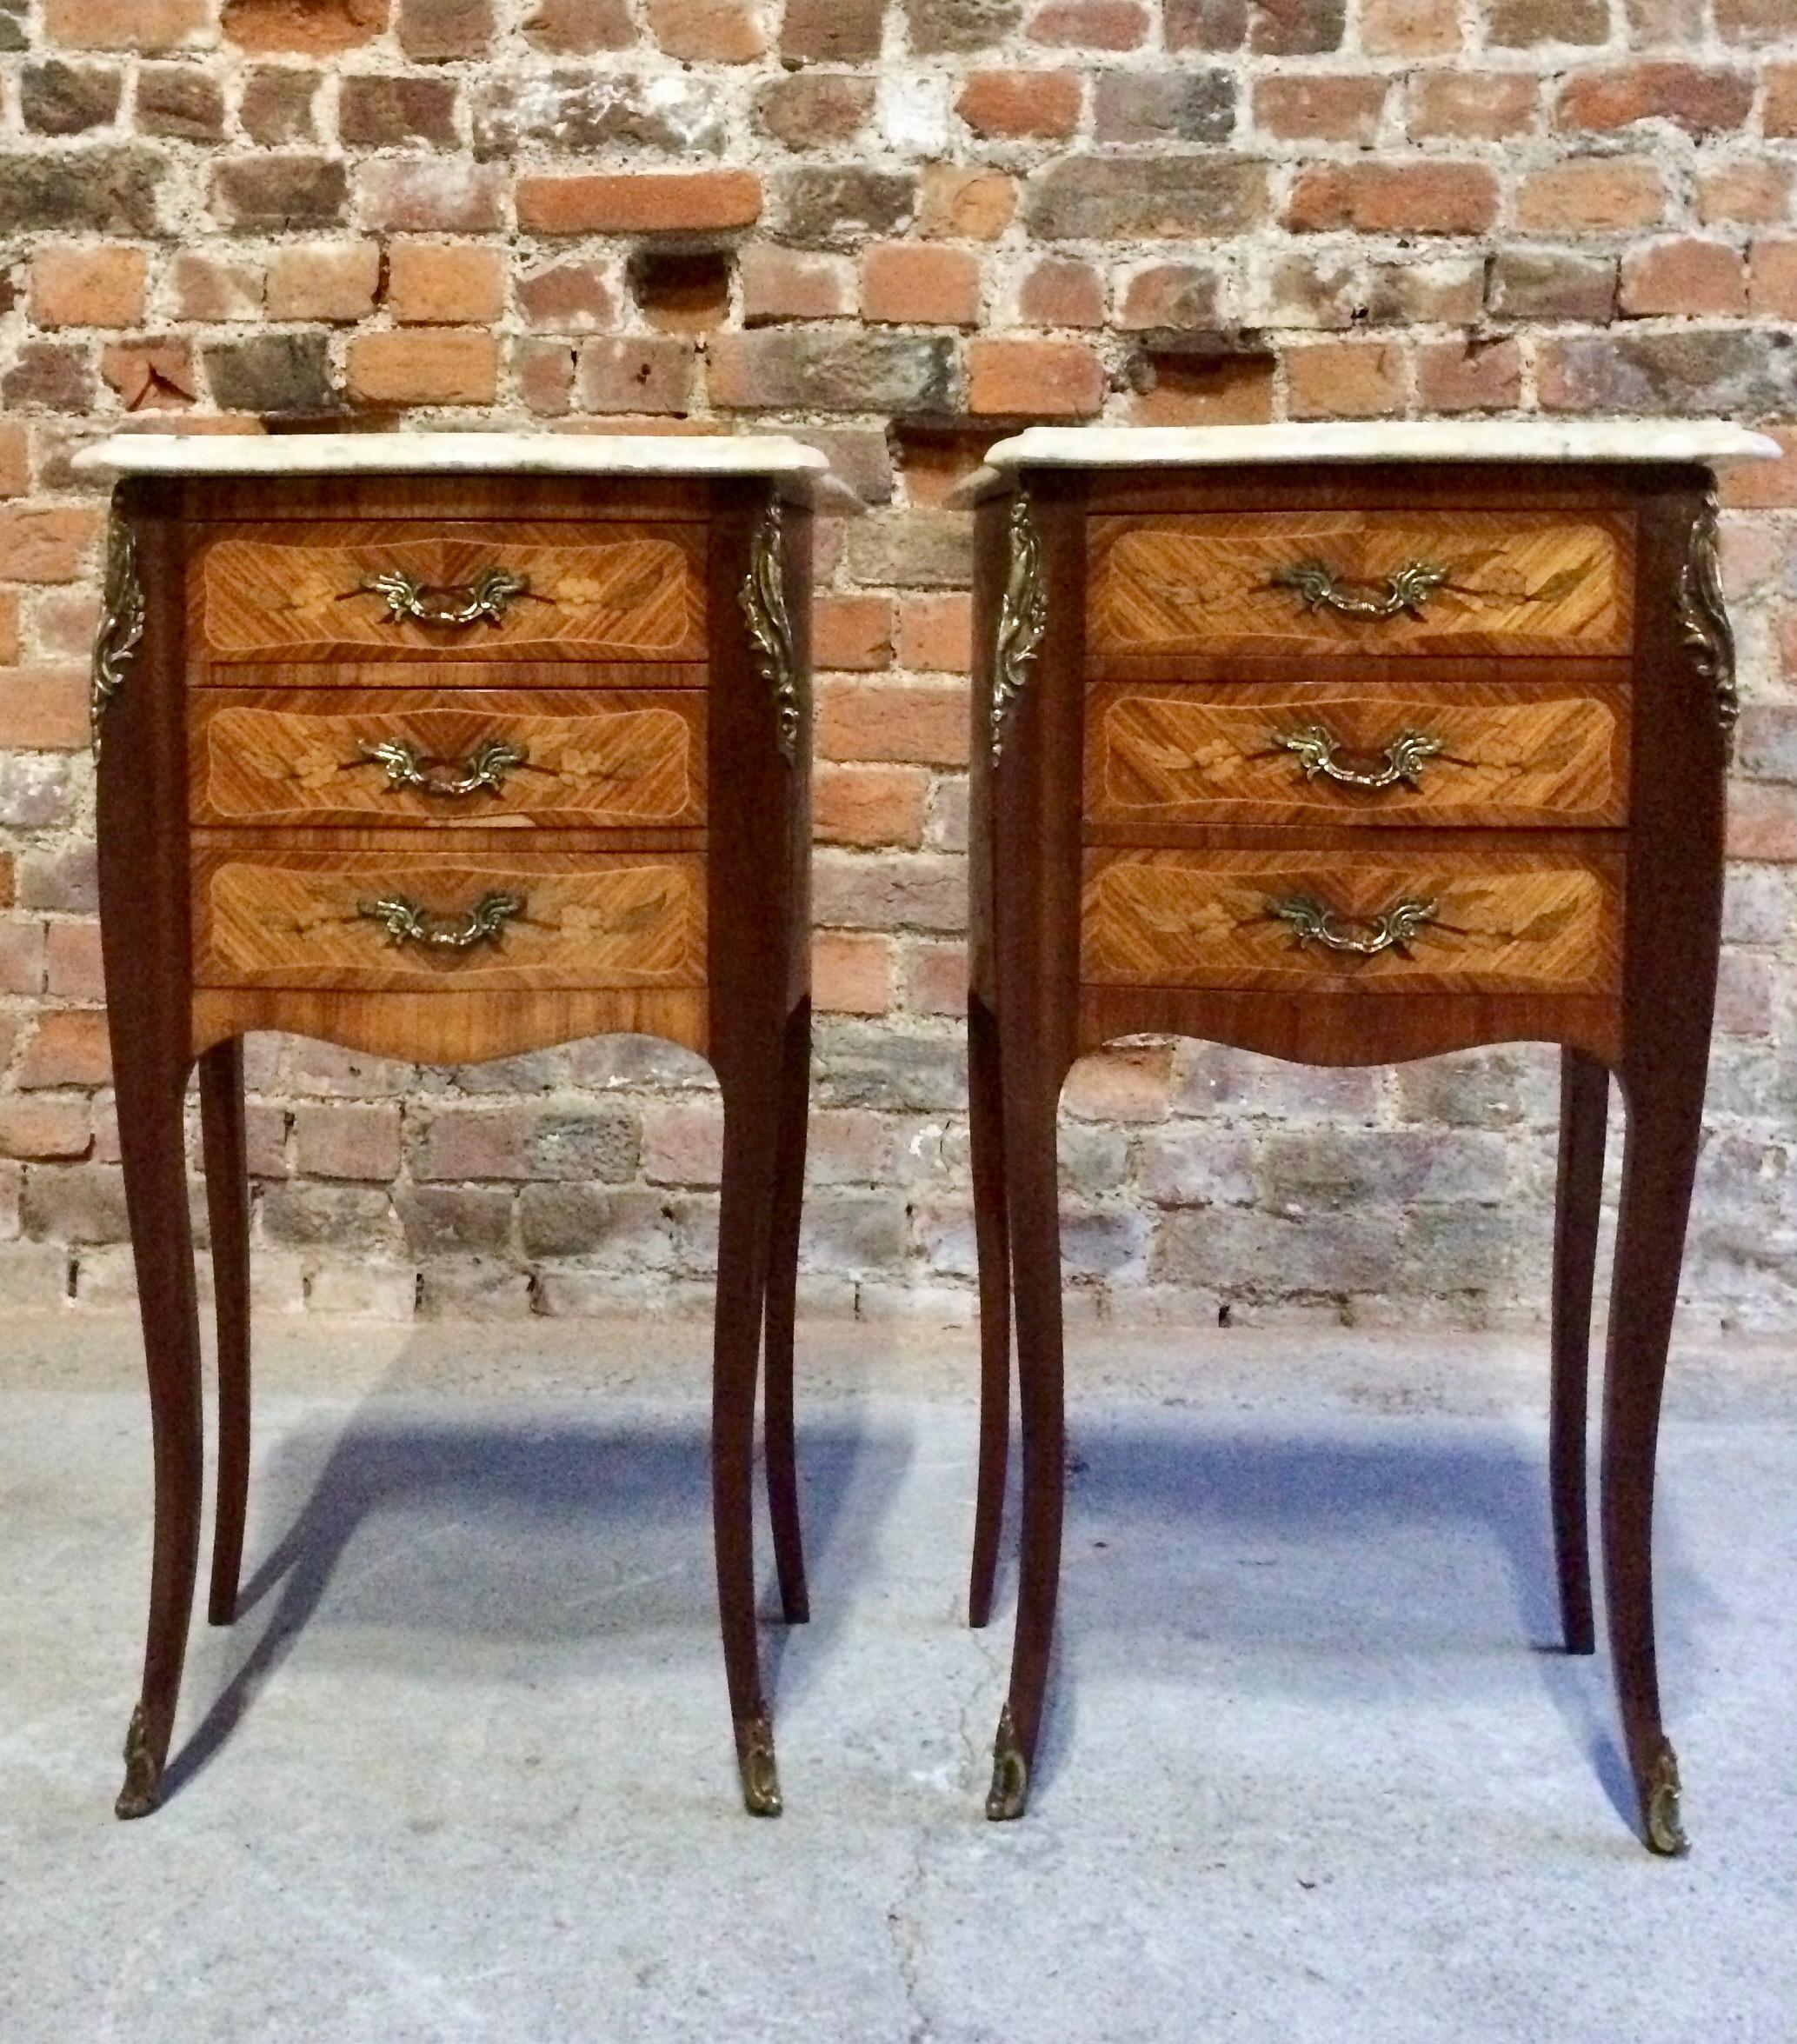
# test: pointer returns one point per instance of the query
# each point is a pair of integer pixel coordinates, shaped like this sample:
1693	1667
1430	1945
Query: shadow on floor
551	1527
1337	1562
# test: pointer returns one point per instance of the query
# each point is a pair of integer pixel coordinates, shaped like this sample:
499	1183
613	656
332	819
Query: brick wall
899	228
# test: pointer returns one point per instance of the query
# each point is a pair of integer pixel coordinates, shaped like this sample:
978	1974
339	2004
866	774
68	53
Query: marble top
1702	440
453	454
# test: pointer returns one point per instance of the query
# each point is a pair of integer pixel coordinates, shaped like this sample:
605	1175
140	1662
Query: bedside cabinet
449	747
1350	744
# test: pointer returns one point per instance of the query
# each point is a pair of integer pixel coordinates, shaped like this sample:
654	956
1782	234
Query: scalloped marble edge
1702	440
413	454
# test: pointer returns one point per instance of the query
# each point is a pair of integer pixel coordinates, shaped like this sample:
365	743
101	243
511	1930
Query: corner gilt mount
121	626
1703	618
1022	619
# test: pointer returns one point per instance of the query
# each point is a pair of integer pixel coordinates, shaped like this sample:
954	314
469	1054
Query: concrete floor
462	1771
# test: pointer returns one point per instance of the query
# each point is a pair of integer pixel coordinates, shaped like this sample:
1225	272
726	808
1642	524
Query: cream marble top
1705	442
453	454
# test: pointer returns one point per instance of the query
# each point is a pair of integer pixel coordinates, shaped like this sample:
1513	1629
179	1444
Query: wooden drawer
295	591
1161	755
572	758
1432	920
1342	582
331	919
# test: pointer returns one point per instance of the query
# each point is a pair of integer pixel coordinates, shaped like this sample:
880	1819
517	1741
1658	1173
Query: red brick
1755	192
1702	101
572	297
628	374
20	967
213	292
67	1047
853	632
580	28
1210	390
936	633
710	31
1061	291
102	287
851	975
1091	24
1779	116
44	544
1762	821
9	626
303	28
935	978
431	283
1754	21
1526	25
1480	106
1014	105
1034	379
401	112
328	279
790	283
430	194
151	376
1456	376
644	202
339	1139
961	203
71	959
1396	198
438	31
1344	379
1409	28
128	24
43	709
15	458
866	806
922	722
1320	109
45	1129
543	370
1123	1082
910	283
1683	276
831	32
1180	296
1591	193
816	109
452	367
1771	278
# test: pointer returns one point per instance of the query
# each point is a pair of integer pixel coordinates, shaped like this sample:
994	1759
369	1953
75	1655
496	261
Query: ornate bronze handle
1390	932
1319	589
1317	751
486	767
487	596
407	922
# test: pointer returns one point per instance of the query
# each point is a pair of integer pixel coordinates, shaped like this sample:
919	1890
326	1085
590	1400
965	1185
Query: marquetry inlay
287	593
1481	753
1265	582
1498	921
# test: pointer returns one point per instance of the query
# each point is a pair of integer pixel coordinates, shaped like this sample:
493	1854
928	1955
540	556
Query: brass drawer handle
486	767
407	922
1319	589
489	595
1318	753
1392	931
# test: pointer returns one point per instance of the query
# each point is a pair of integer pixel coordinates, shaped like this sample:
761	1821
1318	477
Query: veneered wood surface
453	1027
296	592
1162	755
1503	921
592	758
285	918
1520	581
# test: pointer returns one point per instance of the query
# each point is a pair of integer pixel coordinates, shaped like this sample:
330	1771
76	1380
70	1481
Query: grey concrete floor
462	1771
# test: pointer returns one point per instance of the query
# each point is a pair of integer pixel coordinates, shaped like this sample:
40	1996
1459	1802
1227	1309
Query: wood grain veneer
591	757
1159	756
1518	582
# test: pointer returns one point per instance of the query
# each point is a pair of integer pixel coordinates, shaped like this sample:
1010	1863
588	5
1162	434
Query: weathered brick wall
899	228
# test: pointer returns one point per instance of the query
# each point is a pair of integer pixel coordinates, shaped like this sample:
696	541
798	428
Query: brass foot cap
1665	1827
142	1790
1010	1773
755	1758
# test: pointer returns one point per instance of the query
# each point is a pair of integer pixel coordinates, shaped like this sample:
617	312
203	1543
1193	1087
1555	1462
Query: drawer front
410	921
1248	752
448	760
393	589
1339	583
1409	921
